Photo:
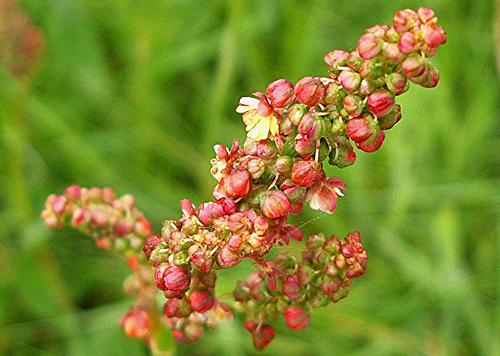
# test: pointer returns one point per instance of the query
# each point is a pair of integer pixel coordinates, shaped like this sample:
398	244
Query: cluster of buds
115	224
21	43
291	130
289	287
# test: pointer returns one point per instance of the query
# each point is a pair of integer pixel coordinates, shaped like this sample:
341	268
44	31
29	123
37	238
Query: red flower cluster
292	288
292	130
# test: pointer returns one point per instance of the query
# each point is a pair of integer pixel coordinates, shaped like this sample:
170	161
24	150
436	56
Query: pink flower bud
80	216
228	205
336	58
369	45
291	287
405	20
142	226
95	194
193	332
295	113
343	155
255	167
171	307
73	192
407	43
310	91
275	205
392	52
59	205
128	201
304	146
414	65
362	129
396	83
227	258
201	301
334	94
307	173
263	336
158	276
200	258
296	318
52	222
136	323
354	61
388	121
150	244
176	278
179	336
350	80
436	37
207	212
187	207
425	14
354	105
378	30
237	183
108	195
374	145
280	93
366	87
266	149
284	164
124	227
380	103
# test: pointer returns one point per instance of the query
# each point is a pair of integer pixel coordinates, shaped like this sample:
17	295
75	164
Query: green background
134	94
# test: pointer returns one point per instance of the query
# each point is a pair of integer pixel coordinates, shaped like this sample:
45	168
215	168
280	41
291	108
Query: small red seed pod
238	183
336	57
263	336
407	43
310	91
280	93
396	83
353	104
405	20
304	146
150	244
362	129
201	301
436	37
291	287
369	45
425	14
209	211
171	307
414	65
350	80
73	192
276	205
388	121
136	323
374	145
307	173
176	278
296	318
380	103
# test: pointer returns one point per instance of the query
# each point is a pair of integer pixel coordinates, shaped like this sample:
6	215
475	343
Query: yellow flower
259	127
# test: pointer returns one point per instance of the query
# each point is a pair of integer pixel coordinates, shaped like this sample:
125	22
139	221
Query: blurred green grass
134	94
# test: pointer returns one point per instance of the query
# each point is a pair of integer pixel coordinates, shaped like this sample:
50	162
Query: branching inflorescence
292	130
